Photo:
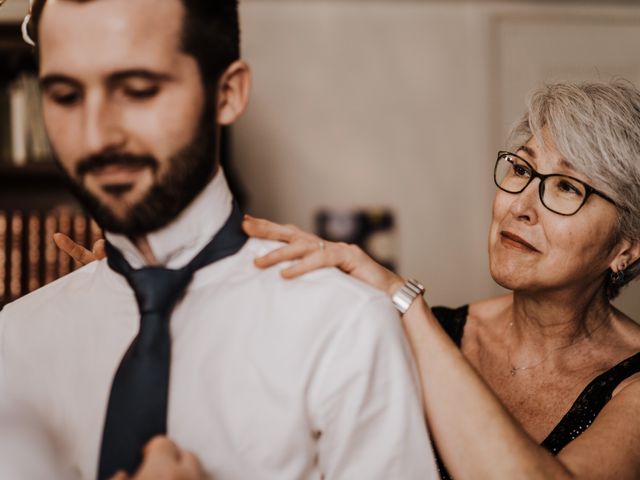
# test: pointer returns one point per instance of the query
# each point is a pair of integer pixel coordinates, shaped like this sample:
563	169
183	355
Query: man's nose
103	127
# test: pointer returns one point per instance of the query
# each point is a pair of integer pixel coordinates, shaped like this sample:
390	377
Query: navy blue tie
137	409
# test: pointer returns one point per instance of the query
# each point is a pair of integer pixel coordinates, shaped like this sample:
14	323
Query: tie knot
158	289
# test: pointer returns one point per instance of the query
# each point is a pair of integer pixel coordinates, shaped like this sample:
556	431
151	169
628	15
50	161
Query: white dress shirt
270	379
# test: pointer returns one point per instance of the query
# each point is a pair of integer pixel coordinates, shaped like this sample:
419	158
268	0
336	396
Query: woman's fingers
98	249
313	261
73	249
293	251
258	227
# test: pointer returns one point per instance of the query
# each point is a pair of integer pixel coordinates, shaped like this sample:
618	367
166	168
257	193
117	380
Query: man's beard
189	171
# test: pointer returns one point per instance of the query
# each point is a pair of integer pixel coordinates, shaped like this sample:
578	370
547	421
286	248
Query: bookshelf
34	200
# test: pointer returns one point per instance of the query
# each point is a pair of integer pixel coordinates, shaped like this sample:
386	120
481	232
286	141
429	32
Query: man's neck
142	244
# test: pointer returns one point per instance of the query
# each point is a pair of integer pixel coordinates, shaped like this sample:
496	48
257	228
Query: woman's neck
554	320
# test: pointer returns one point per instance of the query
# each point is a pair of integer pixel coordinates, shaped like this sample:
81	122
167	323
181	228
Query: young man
175	333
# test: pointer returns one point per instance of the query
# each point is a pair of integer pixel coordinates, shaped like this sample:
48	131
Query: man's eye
64	98
141	93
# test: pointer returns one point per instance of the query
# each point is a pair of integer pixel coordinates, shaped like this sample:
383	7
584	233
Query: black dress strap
589	404
452	320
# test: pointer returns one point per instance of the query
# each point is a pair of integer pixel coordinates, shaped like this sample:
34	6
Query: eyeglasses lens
559	194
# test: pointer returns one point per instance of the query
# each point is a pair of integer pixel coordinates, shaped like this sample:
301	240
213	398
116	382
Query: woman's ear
233	92
627	255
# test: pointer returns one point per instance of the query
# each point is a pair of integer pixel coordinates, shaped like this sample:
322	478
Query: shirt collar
176	244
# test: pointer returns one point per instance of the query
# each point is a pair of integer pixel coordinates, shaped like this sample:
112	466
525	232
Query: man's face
125	109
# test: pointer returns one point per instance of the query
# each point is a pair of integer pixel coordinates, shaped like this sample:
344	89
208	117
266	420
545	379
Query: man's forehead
109	32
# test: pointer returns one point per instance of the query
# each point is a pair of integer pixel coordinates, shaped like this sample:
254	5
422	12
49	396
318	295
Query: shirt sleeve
365	402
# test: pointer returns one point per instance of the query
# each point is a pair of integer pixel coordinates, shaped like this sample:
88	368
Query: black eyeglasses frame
535	174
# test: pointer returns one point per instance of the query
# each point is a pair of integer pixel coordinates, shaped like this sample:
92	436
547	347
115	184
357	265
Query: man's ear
627	255
233	92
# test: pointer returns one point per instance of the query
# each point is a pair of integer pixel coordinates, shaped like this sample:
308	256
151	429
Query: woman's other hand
313	253
77	251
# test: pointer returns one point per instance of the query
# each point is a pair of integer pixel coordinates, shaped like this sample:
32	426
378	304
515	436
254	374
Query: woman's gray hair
596	127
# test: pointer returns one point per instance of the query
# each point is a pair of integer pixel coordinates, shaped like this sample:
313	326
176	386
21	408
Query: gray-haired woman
543	382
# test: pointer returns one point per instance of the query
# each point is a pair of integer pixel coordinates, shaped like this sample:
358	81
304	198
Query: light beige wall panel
382	104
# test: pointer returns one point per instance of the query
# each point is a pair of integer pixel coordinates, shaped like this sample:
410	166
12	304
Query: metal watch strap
405	295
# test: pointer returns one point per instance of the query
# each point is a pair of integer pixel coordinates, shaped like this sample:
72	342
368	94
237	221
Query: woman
501	377
543	382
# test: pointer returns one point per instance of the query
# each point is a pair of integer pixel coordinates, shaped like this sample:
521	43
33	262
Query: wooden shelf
33	175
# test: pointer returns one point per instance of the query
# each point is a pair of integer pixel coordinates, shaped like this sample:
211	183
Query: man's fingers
190	465
258	227
74	250
161	447
120	476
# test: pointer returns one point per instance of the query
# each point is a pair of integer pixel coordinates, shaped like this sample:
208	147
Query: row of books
29	258
23	137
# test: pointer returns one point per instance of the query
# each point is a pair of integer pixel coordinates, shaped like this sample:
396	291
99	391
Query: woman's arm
476	435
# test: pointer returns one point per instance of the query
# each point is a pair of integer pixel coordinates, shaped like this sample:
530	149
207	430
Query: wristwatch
405	295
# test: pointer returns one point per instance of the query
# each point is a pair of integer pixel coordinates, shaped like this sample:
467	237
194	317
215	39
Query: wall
403	104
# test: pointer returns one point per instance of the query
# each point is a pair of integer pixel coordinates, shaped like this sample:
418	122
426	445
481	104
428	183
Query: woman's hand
313	253
77	251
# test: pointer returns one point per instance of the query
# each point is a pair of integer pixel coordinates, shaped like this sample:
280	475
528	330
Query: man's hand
163	460
77	251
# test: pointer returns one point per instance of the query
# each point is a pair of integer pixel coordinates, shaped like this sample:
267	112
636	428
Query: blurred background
372	120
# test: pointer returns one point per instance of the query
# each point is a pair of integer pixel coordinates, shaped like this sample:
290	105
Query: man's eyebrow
49	80
139	73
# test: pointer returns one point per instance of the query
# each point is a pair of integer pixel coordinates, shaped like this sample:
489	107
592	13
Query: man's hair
210	33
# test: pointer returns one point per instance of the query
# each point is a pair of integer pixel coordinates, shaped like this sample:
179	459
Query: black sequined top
583	411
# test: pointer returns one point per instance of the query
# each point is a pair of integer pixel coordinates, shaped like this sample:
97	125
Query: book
19	122
33	251
64	226
3	256
50	249
15	262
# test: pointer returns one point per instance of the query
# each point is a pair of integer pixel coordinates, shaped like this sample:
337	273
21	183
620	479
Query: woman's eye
565	186
520	170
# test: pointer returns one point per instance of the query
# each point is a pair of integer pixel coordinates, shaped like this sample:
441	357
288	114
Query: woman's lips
513	240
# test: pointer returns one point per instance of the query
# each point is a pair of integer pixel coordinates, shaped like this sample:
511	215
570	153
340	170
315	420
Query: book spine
64	226
33	249
3	257
50	249
80	233
19	122
15	283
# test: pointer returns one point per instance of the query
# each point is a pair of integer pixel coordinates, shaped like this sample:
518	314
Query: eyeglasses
561	194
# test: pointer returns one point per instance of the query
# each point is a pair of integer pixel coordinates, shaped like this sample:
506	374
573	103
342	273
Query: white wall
404	104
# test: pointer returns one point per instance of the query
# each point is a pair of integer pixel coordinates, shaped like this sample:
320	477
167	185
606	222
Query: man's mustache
97	162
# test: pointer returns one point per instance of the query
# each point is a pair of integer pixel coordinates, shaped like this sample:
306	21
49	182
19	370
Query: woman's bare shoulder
486	319
489	309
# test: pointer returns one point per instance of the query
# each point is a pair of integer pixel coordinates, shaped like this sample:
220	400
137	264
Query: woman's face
532	248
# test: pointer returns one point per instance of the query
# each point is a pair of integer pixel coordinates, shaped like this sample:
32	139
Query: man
268	378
